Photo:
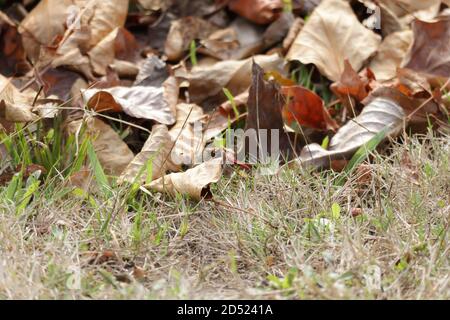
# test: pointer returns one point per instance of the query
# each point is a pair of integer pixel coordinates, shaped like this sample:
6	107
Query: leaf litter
155	85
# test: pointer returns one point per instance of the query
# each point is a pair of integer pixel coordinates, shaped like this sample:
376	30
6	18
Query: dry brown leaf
390	54
208	82
73	27
12	54
183	32
408	10
331	35
155	103
157	150
430	52
306	108
194	182
412	84
265	104
240	40
113	154
152	72
352	86
36	33
189	142
15	106
109	14
118	44
258	11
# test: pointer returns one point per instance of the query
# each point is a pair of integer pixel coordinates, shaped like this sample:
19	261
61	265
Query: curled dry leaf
240	40
152	72
381	113
412	84
352	85
418	110
430	52
408	10
307	109
194	182
390	54
208	82
15	106
73	28
182	32
188	138
118	44
331	35
265	120
294	30
155	103
113	154
35	33
157	150
257	11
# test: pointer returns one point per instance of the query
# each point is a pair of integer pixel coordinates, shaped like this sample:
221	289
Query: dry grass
278	237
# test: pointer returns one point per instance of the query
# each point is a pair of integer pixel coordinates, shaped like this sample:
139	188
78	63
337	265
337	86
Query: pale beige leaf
187	134
331	35
109	14
390	54
182	32
36	33
379	114
157	150
113	154
15	106
408	10
154	103
194	182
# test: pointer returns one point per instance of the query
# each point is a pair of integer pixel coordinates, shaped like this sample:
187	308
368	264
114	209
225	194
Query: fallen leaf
258	11
235	75
182	32
194	182
153	72
157	151
381	113
36	33
15	106
265	104
72	28
294	30
430	52
408	10
240	40
155	103
352	85
13	60
119	44
331	35
418	111
307	109
390	54
412	84
113	154
188	138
